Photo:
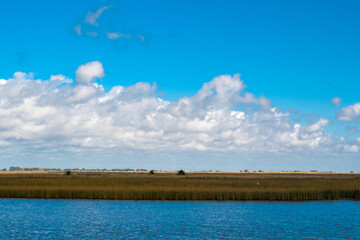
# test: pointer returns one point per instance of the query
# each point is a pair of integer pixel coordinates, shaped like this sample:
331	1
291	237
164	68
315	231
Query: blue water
82	219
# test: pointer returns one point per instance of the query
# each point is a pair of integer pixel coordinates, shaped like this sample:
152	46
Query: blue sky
299	55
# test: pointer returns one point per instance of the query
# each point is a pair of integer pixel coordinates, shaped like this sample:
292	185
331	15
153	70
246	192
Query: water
82	219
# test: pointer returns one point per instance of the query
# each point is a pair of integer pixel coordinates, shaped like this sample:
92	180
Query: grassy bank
193	186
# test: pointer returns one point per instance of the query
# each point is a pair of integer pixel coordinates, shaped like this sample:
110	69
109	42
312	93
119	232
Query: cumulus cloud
88	72
221	116
349	113
92	18
336	101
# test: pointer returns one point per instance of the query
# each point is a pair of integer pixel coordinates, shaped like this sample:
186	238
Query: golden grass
192	186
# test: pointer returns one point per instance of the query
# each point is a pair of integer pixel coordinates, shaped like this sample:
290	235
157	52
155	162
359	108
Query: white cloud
77	29
87	28
117	35
336	101
82	93
221	116
351	148
113	36
88	72
92	18
59	79
318	125
349	113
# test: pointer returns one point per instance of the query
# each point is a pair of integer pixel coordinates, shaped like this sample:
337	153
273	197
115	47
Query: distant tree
12	168
152	172
68	172
246	170
181	172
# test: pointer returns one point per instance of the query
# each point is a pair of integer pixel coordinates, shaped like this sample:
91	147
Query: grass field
192	186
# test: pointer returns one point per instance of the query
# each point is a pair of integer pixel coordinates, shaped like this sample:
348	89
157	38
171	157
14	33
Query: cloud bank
222	116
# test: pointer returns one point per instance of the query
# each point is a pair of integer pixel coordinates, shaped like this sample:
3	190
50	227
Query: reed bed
190	187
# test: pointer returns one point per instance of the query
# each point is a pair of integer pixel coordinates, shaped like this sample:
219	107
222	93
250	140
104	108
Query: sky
193	85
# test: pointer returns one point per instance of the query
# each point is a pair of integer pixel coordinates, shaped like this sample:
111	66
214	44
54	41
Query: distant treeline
18	169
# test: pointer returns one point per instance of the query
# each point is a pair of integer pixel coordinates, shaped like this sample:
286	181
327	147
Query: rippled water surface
82	219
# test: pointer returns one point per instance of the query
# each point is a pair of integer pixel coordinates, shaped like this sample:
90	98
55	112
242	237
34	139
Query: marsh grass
273	187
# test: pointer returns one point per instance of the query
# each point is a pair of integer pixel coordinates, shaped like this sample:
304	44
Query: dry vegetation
170	186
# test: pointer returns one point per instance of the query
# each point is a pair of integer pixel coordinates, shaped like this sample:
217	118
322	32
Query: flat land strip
223	186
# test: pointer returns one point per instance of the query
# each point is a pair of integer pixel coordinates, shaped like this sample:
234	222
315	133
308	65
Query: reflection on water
82	219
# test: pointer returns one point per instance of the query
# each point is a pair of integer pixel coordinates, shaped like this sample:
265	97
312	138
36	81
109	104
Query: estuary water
86	219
